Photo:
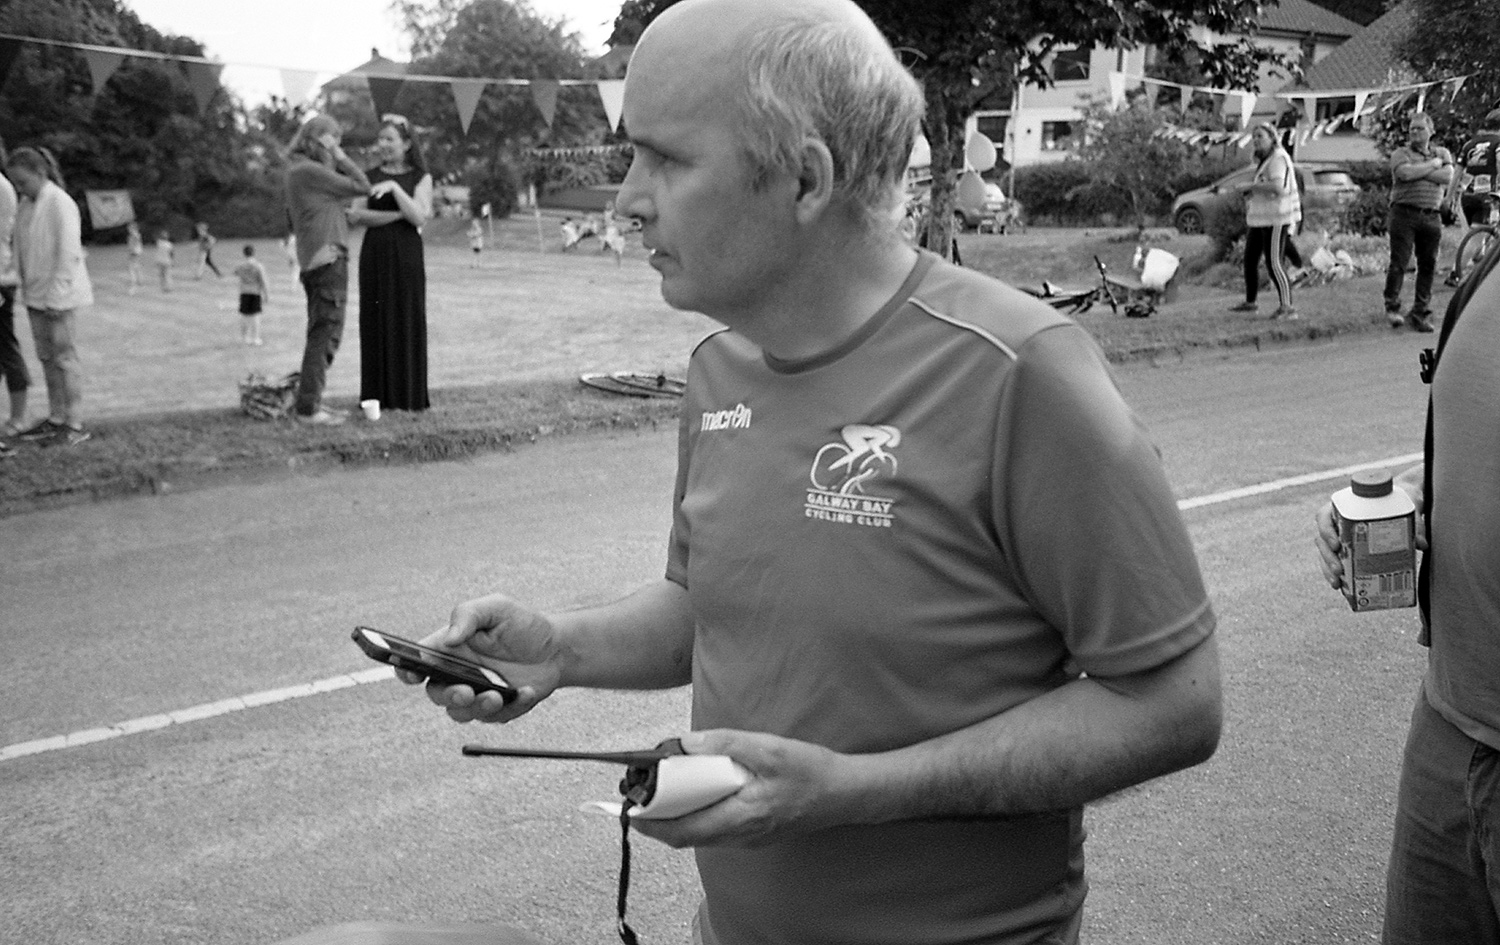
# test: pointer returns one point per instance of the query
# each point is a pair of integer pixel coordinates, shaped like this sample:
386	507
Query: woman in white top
54	285
1272	206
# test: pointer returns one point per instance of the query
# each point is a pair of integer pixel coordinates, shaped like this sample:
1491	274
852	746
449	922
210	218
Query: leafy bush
1370	175
494	185
1066	194
1366	216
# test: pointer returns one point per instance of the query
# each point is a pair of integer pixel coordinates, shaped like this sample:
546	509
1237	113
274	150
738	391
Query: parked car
1325	187
969	218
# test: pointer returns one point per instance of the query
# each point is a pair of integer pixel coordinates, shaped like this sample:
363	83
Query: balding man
926	576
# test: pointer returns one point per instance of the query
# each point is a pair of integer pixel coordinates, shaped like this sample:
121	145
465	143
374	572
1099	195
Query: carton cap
1371	485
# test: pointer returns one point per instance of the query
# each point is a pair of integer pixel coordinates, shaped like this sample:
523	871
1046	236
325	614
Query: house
1045	120
1367	61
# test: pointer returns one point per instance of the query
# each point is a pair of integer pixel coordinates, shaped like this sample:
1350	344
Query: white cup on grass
371	409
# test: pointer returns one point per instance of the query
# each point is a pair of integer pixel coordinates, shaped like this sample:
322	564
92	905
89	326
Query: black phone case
434	664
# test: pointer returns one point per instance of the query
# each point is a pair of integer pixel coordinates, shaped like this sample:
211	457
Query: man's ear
814	181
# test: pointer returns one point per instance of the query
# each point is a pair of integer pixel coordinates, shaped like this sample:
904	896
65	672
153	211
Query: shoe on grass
66	434
1244	307
322	418
1394	319
43	429
1286	314
1420	321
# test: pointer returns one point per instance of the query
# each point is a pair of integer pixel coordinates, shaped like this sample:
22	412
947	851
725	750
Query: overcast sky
257	38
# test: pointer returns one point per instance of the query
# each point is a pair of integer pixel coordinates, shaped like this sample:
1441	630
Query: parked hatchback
1325	187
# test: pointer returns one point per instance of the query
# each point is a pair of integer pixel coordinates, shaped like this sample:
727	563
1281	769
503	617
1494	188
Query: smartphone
434	664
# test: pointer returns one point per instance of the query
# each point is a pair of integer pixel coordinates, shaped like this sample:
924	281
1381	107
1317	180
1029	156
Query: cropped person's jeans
1443	883
52	332
327	289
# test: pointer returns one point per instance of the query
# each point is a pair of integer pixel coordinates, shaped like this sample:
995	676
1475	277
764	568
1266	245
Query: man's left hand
795	787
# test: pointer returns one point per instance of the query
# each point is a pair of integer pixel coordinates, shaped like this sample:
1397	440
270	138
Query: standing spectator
1443	877
135	248
164	254
476	242
320	180
254	289
1420	174
926	577
206	244
55	284
1272	206
393	272
12	363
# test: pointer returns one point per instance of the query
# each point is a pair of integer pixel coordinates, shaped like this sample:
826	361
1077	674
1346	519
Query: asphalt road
247	827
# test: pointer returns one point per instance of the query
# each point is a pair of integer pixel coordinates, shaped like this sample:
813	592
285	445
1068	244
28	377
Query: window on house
993	127
1332	107
1057	135
1071	65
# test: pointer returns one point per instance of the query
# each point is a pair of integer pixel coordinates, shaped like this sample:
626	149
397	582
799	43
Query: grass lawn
507	341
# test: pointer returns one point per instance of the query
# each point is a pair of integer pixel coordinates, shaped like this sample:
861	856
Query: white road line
1395	464
210	710
195	713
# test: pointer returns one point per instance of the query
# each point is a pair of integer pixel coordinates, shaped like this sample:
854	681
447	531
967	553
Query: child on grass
476	242
164	259
136	248
254	289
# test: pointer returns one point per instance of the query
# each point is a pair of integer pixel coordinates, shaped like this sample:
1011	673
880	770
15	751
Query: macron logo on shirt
735	418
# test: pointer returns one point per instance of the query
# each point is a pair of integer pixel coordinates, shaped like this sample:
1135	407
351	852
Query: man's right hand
518	643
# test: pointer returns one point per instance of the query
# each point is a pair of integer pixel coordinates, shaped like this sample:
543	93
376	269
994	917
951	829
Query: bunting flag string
203	79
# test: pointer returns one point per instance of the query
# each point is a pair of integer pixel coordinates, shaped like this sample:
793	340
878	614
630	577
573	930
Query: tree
505	39
143	131
1456	38
1124	153
965	50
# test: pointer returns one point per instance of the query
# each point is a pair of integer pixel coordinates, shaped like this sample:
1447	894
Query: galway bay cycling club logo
846	476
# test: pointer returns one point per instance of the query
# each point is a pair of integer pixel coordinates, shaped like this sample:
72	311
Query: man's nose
633	201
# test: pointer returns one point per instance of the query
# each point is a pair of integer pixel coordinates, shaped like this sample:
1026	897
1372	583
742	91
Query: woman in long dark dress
392	272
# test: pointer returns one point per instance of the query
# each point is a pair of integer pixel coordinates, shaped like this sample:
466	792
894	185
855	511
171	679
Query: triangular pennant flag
1422	98
383	92
612	94
1247	107
466	95
1309	108
102	65
1116	89
203	79
297	84
10	50
1152	90
544	94
1360	100
1454	85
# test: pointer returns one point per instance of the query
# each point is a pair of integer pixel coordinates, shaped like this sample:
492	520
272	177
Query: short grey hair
838	84
1420	118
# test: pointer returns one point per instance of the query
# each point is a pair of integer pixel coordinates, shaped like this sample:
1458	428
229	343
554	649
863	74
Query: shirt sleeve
1086	516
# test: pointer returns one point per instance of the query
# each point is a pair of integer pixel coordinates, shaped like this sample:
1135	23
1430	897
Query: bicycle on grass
1479	240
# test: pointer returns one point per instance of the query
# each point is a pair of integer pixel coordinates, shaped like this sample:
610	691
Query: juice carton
1377	526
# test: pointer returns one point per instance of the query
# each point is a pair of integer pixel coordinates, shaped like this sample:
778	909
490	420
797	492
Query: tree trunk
945	135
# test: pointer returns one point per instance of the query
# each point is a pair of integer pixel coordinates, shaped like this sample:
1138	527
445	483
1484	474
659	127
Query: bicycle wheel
635	384
1478	241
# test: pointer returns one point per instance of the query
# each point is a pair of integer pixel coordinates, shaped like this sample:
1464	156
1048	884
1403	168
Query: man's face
718	241
1418	133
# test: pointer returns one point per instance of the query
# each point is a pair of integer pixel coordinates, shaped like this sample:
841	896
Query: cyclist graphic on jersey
844	468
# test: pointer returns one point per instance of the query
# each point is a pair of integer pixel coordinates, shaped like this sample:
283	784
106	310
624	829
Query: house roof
1363	62
1300	17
